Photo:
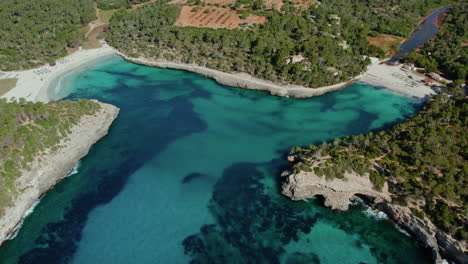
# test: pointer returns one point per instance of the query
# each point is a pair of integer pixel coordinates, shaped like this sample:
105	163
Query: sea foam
74	170
28	212
378	215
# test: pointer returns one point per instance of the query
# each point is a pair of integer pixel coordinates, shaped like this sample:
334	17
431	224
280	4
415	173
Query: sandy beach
378	74
394	78
33	84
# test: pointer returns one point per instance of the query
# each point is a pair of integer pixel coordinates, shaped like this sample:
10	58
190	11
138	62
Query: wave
28	212
378	215
15	232
404	232
368	211
74	170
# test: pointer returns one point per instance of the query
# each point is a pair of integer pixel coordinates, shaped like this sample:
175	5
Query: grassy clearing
7	84
106	15
387	43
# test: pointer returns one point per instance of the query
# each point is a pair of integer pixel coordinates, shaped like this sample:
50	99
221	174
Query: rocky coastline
51	167
340	193
378	74
242	80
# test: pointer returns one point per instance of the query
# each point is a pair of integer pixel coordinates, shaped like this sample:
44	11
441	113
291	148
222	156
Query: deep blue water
190	172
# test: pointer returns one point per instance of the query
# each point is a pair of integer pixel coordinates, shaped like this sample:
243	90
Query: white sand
33	84
380	75
396	79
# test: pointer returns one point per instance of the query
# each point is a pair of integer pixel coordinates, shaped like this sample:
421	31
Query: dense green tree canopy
331	37
424	159
115	4
448	52
27	129
34	32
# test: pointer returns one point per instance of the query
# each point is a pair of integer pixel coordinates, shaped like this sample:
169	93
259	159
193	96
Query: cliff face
51	167
339	193
426	233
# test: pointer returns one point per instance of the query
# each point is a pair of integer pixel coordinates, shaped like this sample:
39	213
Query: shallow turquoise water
190	172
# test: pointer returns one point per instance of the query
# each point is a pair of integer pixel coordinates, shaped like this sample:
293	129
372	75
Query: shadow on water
255	226
58	241
254	223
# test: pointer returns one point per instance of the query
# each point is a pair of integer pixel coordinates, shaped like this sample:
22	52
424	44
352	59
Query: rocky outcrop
52	166
440	243
339	193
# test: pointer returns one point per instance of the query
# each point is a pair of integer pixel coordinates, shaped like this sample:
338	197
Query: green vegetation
7	84
106	15
117	4
34	32
424	159
320	34
263	53
446	53
390	17
28	129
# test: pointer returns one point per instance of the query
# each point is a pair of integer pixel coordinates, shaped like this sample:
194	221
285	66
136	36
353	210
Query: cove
190	173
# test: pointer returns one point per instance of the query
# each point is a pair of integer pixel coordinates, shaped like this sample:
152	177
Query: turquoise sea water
190	172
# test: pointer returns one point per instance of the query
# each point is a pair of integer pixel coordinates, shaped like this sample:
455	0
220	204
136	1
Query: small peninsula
415	172
41	143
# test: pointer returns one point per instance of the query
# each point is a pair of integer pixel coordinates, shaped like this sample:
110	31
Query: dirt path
142	4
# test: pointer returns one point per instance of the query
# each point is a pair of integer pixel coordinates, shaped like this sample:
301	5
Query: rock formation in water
339	194
51	167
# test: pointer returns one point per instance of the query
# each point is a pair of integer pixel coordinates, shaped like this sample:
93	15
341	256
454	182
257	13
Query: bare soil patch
304	4
7	84
385	41
93	37
273	4
216	17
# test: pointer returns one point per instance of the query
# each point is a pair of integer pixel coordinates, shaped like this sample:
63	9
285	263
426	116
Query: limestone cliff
339	193
49	168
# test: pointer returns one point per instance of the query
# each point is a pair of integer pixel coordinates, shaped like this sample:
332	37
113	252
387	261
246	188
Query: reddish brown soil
221	2
305	4
385	41
440	19
218	17
270	4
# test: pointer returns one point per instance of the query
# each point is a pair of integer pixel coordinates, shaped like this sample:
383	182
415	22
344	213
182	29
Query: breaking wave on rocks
378	215
74	170
13	234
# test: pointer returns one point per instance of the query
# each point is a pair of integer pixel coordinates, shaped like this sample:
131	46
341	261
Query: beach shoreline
35	84
242	80
378	74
